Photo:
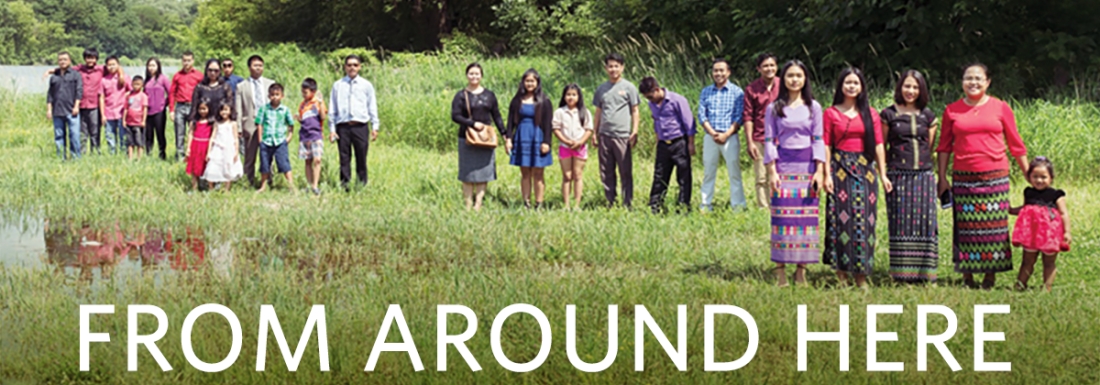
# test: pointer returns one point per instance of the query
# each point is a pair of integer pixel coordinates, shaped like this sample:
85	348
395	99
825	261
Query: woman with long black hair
911	208
156	88
853	145
795	156
529	135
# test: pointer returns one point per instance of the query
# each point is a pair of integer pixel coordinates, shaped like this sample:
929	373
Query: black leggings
154	125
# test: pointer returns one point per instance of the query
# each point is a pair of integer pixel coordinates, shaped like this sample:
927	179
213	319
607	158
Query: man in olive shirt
63	105
616	123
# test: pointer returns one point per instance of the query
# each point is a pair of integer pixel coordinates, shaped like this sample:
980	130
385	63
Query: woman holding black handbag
477	113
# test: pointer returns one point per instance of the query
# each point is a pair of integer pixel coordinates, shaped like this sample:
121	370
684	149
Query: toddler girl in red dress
1043	223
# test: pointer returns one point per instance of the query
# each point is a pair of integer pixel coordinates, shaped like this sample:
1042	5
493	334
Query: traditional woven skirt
911	209
795	210
850	214
981	243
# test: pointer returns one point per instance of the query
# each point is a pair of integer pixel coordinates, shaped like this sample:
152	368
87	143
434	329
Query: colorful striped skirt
911	209
850	214
981	242
795	210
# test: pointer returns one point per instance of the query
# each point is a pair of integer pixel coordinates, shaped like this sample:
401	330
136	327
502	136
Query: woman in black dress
475	107
911	208
212	90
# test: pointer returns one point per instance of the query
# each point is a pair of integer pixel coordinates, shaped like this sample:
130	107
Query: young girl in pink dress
198	140
1043	223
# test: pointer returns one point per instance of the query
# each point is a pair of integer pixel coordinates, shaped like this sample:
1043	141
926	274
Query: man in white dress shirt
352	104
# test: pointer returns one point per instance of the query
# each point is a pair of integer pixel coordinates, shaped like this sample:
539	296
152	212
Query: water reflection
87	249
91	252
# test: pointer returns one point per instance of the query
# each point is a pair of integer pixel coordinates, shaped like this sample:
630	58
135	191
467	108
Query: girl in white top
223	162
573	126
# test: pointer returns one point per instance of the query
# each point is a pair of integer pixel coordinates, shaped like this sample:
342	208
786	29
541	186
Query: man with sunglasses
228	76
352	104
251	95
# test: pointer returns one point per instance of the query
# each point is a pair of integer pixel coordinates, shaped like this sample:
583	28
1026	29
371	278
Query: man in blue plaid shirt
720	108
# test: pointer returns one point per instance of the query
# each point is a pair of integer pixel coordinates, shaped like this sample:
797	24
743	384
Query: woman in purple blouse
156	88
794	154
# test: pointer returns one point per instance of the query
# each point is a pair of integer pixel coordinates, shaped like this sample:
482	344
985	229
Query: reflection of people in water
62	243
190	250
87	248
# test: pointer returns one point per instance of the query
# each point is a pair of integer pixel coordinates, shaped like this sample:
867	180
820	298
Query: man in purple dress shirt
674	124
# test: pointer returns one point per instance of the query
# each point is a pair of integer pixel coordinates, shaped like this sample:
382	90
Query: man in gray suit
251	95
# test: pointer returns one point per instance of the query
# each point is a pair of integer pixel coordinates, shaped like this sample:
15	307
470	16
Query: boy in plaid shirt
274	125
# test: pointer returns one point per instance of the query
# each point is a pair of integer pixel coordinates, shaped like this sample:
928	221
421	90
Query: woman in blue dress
528	137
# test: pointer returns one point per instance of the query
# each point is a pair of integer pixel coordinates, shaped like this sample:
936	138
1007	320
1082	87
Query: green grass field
406	240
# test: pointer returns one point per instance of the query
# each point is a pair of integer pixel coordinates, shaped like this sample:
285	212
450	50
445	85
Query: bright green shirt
276	121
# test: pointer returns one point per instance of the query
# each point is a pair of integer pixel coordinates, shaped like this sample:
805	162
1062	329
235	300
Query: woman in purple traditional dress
794	154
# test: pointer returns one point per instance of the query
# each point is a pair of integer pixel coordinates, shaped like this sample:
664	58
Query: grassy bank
405	240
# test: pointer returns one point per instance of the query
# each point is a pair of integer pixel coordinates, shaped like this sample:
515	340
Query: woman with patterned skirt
853	145
794	155
911	207
975	130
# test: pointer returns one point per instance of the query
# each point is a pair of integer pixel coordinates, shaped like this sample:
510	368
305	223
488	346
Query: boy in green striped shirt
275	125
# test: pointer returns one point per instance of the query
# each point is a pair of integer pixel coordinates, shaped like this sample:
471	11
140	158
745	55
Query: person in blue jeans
63	105
275	126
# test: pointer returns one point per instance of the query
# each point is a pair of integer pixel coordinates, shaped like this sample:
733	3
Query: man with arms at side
616	123
63	105
758	95
179	100
251	95
720	112
352	104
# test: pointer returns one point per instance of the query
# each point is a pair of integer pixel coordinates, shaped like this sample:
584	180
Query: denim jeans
115	137
89	127
72	124
180	126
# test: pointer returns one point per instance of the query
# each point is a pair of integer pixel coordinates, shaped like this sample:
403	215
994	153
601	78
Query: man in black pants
674	124
352	104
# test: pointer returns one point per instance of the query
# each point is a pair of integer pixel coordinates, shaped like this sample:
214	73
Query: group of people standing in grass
220	118
799	150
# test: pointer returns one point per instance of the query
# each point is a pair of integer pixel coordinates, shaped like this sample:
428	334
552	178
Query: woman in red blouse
853	145
975	130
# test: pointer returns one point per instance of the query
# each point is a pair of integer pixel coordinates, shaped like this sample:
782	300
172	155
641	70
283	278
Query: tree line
33	31
1035	43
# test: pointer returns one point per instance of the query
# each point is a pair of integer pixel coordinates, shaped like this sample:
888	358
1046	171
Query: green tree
24	38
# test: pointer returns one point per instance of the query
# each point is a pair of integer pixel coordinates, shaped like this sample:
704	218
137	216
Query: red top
183	84
757	99
977	134
846	134
136	105
92	77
